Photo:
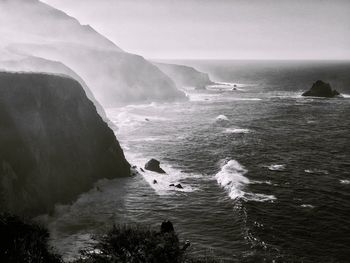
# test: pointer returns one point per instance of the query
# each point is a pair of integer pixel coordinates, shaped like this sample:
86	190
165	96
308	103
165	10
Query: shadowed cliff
41	65
53	144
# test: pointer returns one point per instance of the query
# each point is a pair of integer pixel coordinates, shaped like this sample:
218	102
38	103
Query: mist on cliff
31	21
33	28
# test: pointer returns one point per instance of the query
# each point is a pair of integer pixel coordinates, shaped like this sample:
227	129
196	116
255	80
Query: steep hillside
40	65
114	76
53	144
185	76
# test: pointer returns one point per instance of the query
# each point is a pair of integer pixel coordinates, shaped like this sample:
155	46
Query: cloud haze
267	29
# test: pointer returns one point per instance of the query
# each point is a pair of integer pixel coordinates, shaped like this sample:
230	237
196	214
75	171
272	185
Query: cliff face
185	76
53	144
114	76
40	65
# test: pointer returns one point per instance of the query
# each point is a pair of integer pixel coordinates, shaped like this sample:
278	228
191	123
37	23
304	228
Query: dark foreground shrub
24	241
139	245
134	245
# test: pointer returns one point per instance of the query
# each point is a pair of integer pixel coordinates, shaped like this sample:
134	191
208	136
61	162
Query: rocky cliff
41	65
185	76
115	77
53	144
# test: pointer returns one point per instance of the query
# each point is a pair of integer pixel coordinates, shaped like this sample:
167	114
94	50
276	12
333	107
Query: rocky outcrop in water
153	165
321	89
185	76
53	144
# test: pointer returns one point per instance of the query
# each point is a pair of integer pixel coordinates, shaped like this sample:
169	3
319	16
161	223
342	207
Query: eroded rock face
153	165
321	89
53	144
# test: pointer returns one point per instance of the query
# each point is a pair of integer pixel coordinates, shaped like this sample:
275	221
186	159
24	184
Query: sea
265	172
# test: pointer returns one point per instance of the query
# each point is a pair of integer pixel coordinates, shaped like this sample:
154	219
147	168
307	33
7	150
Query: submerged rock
321	89
155	182
179	186
222	121
186	245
153	165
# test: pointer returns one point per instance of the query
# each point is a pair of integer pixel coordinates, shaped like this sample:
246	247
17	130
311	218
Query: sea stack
321	89
153	165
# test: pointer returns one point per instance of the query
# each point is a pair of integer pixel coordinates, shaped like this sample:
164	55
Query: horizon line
251	59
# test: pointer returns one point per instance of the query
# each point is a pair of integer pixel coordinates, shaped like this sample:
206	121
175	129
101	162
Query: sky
220	29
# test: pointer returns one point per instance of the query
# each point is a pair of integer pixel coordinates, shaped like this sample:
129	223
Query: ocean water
265	172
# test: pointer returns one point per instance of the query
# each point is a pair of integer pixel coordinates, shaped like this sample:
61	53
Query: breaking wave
231	178
236	130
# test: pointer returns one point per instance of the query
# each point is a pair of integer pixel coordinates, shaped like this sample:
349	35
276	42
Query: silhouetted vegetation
24	241
136	244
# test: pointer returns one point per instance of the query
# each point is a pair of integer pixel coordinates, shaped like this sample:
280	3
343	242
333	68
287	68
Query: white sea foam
259	197
261	182
132	117
222	118
307	206
172	176
286	95
346	96
315	171
229	86
345	181
231	177
236	130
202	96
248	99
222	121
277	167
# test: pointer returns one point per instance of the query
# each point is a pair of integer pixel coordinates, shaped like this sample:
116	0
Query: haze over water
265	172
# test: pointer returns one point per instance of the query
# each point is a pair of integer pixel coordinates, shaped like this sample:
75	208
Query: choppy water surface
265	175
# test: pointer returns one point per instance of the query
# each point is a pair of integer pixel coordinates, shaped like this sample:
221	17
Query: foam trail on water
236	130
277	167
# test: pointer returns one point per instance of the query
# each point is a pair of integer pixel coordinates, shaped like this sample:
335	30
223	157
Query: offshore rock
321	89
153	165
